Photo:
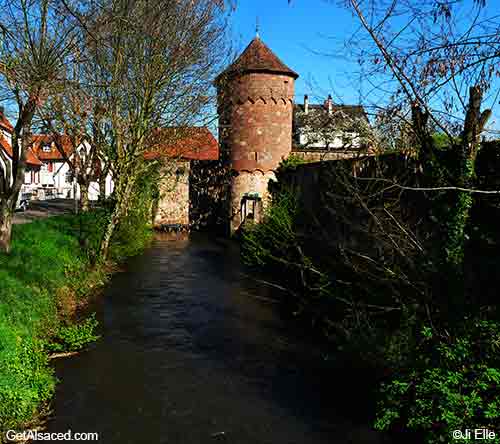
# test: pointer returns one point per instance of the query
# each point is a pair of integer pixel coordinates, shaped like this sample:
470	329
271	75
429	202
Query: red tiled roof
5	124
41	140
31	158
194	143
257	57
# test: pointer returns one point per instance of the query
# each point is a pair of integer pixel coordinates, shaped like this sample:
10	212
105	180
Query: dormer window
46	148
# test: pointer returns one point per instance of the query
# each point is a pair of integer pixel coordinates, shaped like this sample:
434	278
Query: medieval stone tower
255	105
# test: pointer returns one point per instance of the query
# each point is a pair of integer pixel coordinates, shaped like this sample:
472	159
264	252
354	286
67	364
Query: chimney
306	104
329	104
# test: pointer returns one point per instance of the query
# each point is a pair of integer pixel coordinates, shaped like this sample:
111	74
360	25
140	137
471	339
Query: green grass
47	263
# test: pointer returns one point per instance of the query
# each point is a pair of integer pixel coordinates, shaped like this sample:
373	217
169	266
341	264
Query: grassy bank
43	282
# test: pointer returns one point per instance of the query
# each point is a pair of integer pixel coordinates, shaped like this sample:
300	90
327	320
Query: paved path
39	209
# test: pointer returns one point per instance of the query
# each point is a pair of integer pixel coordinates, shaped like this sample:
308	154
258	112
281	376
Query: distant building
255	104
56	176
176	148
48	174
259	125
33	164
328	126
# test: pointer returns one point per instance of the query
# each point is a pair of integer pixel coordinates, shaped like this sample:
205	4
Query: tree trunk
123	193
102	188
475	120
110	229
5	226
84	197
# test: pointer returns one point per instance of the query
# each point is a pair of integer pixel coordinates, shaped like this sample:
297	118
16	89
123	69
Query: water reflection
189	356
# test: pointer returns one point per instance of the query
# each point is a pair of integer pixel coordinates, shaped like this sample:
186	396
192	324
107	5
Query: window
347	139
46	148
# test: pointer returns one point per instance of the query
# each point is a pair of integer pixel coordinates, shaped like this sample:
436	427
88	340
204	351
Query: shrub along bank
366	264
51	270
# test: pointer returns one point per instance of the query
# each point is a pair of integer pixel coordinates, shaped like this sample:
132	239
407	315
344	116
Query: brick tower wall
256	131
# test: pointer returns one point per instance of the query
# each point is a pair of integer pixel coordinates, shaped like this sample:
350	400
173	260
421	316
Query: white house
47	174
33	164
328	126
56	176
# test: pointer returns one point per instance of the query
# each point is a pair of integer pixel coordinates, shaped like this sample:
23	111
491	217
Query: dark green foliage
74	337
291	163
273	241
43	256
286	166
134	232
452	385
373	267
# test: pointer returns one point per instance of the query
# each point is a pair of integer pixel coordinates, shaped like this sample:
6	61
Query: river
192	352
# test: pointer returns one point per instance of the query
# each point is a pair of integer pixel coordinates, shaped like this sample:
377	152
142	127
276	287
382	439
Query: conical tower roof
257	57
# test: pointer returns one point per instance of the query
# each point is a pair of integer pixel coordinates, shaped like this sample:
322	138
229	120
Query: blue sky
294	32
298	32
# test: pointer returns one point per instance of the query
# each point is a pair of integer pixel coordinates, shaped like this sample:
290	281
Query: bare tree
436	64
155	62
74	119
443	67
33	46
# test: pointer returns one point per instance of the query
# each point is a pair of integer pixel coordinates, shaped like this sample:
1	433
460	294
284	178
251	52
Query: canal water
194	351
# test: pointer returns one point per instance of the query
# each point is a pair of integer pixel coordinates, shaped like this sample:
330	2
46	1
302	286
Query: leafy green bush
453	385
272	241
291	163
75	337
50	259
43	255
134	232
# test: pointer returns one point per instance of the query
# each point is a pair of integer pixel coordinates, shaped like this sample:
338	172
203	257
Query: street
43	208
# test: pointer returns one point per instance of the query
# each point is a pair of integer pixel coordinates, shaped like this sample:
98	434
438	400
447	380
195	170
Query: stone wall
321	155
330	209
172	207
255	119
209	191
249	197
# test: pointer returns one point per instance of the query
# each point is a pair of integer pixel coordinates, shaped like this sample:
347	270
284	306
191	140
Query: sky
308	36
296	33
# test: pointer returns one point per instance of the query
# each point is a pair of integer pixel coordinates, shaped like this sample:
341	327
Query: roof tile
257	57
193	143
41	140
31	158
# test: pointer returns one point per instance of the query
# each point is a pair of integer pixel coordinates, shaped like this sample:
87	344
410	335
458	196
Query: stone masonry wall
255	112
259	120
173	202
248	183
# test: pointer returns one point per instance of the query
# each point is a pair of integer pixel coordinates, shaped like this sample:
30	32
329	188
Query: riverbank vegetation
394	257
107	78
366	267
45	283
